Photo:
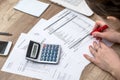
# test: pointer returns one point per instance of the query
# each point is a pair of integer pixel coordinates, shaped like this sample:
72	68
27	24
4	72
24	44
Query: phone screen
3	46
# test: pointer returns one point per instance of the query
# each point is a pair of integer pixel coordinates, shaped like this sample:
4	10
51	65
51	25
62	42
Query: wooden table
16	22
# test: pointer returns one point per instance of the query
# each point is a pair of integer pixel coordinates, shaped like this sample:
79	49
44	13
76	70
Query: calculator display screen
34	50
3	46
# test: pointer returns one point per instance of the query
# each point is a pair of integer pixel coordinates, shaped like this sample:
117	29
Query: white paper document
67	29
76	5
32	7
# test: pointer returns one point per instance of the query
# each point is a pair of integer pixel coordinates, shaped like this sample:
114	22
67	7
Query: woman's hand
105	58
108	34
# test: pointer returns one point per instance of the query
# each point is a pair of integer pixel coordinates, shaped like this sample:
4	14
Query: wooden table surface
16	22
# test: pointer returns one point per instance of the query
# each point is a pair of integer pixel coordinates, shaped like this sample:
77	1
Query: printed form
67	28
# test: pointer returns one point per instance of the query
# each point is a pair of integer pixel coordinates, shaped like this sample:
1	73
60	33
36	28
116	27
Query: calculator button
48	59
51	46
55	55
48	51
48	54
45	58
42	58
43	53
54	59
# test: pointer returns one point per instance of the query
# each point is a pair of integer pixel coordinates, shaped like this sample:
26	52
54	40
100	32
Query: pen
99	29
5	33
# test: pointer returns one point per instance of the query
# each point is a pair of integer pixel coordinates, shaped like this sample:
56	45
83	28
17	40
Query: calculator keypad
49	53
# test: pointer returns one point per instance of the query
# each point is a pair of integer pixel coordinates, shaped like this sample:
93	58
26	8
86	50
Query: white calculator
43	53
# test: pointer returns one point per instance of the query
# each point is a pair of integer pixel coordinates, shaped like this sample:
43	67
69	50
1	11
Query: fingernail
90	46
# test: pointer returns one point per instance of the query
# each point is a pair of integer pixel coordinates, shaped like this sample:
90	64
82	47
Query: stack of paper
67	28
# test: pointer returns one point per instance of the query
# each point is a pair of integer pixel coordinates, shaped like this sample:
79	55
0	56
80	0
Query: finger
91	59
96	45
92	50
99	43
98	24
98	34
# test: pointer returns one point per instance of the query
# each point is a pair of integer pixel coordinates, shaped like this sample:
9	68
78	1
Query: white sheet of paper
32	7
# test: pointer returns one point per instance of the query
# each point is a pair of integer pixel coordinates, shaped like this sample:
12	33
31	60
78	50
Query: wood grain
16	22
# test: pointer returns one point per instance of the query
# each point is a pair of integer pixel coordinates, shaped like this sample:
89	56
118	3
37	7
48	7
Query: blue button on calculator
43	53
